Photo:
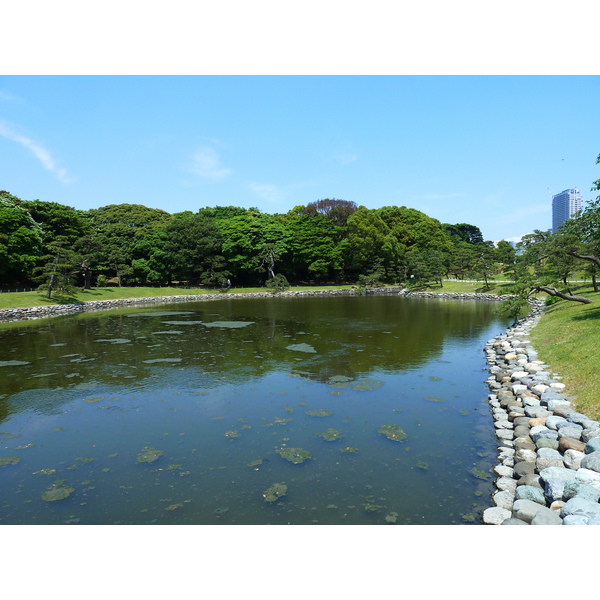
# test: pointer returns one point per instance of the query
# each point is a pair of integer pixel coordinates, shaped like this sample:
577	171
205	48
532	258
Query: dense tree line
328	240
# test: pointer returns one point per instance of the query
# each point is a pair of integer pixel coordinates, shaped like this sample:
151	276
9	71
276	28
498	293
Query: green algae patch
423	466
339	379
392	432
13	363
479	474
301	348
57	491
149	455
434	399
349	450
229	324
255	463
321	412
366	385
330	435
162	360
45	472
294	455
276	491
232	434
391	517
94	400
9	460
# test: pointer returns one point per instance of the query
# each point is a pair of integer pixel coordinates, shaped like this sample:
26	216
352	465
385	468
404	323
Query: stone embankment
41	312
548	470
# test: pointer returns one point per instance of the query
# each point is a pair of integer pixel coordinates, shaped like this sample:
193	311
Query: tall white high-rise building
564	206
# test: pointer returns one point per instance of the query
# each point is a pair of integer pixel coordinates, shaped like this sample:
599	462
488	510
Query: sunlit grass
566	338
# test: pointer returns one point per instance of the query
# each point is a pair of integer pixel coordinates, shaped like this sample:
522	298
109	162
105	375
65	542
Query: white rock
504	499
588	476
496	515
572	458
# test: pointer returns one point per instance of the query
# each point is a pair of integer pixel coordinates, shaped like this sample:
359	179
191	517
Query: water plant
57	492
321	412
276	491
392	432
149	455
294	455
330	435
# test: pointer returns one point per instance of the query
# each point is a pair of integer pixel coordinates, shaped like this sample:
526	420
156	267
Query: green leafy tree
58	269
20	240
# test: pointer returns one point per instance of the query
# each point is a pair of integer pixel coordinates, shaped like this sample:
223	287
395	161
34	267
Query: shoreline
548	470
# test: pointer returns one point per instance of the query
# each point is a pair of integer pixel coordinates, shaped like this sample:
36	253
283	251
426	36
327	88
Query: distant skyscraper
564	206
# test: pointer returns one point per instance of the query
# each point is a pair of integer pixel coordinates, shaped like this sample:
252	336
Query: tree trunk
551	291
593	259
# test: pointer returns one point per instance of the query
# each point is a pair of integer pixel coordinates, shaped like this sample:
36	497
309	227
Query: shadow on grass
589	315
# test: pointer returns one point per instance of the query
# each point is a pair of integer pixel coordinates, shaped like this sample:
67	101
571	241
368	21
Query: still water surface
180	414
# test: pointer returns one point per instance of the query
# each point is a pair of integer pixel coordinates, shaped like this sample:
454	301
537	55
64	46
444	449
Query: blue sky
484	150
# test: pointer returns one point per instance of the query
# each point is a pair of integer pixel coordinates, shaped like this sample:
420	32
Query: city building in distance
564	206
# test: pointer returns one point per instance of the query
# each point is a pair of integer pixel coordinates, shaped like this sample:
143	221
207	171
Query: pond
342	410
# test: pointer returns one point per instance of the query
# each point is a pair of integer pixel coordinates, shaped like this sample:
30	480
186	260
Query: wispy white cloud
345	159
38	150
206	163
267	191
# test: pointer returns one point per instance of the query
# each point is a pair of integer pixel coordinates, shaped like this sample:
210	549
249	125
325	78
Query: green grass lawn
566	338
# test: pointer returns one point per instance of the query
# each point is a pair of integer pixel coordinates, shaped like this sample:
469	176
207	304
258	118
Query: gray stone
580	506
524	468
589	434
529	492
537	411
557	473
572	459
526	455
542	431
495	515
554	490
593	445
570	432
524	443
575	520
580	419
513	521
504	434
526	510
544	442
506	484
521	431
544	462
590	477
591	461
546	517
562	408
504	499
582	490
553	421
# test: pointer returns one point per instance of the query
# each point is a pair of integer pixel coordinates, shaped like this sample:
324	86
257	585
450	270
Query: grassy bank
566	338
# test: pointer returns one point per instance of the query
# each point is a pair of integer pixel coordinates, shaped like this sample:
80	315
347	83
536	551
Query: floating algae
162	360
232	434
13	363
391	518
85	459
301	348
392	432
479	474
423	466
94	400
229	324
45	472
255	463
349	449
330	435
25	446
149	455
56	492
294	455
366	385
322	412
174	507
339	379
156	313
434	399
9	460
275	492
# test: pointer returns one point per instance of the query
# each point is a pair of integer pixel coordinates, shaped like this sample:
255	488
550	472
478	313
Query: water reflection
210	389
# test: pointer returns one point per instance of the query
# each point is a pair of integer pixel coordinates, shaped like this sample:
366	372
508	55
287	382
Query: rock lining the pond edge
547	471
